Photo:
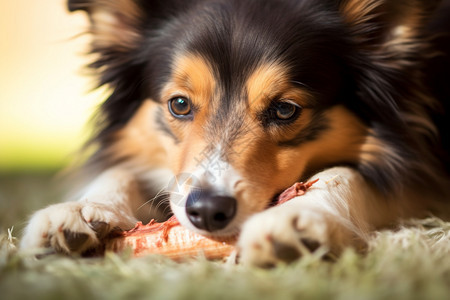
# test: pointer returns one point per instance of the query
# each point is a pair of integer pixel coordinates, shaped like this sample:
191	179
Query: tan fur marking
342	143
271	80
140	141
192	77
266	82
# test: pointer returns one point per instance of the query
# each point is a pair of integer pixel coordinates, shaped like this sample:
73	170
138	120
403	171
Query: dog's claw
101	228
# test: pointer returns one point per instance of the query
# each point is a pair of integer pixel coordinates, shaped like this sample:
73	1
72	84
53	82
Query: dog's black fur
311	37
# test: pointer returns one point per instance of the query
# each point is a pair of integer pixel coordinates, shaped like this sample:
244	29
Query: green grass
412	263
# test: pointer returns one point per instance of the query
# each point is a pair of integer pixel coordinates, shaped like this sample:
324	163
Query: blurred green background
46	100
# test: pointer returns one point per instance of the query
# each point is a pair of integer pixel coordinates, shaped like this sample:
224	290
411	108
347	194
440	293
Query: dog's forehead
233	47
201	79
237	39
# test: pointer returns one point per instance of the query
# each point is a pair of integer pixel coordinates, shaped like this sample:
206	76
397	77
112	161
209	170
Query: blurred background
46	100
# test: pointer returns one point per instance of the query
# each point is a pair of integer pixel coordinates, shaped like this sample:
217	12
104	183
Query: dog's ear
386	22
115	24
391	44
117	28
391	41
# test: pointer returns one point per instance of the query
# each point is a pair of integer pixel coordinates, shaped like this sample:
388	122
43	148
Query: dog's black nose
210	212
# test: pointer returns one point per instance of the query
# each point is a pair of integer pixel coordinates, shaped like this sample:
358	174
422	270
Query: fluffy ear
114	23
386	22
116	27
392	44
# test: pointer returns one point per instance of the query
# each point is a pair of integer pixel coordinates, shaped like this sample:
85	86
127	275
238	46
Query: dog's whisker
155	209
160	193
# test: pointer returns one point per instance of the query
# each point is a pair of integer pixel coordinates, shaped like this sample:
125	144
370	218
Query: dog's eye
286	110
179	106
280	112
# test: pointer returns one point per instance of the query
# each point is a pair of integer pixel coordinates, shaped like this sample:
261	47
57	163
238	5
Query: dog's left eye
286	110
179	107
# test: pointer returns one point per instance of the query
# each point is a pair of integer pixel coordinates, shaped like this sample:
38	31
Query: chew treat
175	241
170	239
297	189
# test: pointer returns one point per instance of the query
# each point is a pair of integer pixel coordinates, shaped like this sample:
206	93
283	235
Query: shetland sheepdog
217	106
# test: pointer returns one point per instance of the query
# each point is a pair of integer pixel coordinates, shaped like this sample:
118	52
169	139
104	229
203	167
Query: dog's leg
111	201
337	211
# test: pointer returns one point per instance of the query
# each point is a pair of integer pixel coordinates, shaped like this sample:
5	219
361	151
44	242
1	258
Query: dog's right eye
180	107
285	110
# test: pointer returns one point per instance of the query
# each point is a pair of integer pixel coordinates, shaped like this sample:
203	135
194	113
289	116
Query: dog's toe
281	235
75	240
310	244
285	252
100	228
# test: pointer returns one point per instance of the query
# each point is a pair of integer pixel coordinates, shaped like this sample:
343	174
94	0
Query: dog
217	106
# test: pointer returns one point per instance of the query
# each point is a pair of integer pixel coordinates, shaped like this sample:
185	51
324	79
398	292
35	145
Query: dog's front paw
73	227
283	234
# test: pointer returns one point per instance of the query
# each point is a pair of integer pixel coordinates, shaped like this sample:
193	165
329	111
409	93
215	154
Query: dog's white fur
339	210
113	198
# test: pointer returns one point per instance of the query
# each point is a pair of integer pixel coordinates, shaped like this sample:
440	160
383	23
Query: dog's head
255	95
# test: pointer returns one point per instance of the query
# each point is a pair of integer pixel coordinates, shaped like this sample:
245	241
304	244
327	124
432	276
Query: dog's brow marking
271	81
192	74
267	81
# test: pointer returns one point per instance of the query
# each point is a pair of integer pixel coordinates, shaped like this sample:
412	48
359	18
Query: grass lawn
412	263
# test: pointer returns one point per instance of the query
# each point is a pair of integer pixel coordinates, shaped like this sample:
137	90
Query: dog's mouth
274	201
219	207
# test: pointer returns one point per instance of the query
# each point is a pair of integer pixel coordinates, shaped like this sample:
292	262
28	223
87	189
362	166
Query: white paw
73	227
282	234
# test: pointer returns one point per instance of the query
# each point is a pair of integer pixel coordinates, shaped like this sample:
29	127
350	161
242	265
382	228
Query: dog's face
250	104
251	96
238	144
